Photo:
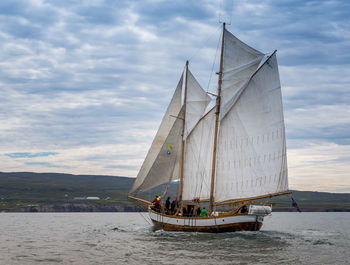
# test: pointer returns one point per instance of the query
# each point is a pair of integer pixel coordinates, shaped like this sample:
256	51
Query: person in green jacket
204	212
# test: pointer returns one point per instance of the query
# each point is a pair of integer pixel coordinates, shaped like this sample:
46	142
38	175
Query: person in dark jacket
199	211
167	205
173	207
184	211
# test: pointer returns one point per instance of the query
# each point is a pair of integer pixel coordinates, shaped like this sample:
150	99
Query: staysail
198	154
166	165
148	173
196	103
251	157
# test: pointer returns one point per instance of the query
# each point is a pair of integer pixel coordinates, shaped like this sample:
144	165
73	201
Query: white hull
207	224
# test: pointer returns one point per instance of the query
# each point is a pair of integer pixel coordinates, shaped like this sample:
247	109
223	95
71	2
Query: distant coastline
55	192
91	207
75	207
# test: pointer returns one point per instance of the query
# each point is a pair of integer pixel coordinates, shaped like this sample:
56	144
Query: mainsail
251	157
240	61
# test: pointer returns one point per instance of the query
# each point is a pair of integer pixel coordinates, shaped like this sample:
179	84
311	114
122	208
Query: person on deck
184	211
190	210
176	203
156	202
204	212
198	213
244	209
173	207
155	199
167	205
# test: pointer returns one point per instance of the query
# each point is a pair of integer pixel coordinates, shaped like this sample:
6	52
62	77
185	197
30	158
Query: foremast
217	114
183	140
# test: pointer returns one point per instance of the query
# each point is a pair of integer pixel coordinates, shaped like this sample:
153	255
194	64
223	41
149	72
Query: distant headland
56	192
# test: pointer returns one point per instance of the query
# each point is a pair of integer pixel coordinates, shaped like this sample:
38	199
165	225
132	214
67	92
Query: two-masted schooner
227	157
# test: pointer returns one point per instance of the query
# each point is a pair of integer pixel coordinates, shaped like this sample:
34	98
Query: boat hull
212	224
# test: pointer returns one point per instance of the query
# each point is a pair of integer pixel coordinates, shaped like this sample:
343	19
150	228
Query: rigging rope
206	41
144	216
146	219
212	68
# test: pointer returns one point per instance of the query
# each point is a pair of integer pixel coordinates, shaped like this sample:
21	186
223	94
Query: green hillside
315	201
24	189
53	187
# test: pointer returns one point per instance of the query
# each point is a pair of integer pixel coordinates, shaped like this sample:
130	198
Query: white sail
251	155
198	158
196	103
240	61
160	138
167	163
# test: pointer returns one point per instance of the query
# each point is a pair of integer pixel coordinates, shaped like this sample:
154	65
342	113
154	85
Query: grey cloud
90	73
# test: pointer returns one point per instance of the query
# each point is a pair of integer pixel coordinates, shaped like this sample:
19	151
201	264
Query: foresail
251	155
196	103
161	136
198	159
240	61
166	165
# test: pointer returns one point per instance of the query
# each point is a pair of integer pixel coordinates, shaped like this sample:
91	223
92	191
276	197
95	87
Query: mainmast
217	113
183	141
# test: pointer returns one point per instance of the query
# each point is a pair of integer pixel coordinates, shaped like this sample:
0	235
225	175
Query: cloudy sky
84	84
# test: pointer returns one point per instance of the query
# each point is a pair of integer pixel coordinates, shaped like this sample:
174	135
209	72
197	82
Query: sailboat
230	158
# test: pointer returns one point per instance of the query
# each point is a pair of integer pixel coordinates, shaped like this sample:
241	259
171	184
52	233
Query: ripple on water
129	239
48	260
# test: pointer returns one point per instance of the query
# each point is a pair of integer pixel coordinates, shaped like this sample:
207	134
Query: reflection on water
126	238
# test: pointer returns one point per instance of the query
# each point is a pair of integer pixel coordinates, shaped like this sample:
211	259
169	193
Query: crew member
204	212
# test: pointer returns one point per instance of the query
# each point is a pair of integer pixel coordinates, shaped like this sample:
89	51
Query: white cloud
320	166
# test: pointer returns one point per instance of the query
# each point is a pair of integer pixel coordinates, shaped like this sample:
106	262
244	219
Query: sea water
128	238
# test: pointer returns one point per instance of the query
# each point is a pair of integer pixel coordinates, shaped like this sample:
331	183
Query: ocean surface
127	238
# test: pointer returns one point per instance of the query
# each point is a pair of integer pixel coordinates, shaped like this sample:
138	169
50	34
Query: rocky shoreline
76	207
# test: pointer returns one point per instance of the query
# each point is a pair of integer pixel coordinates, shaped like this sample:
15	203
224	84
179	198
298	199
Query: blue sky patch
30	155
44	164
